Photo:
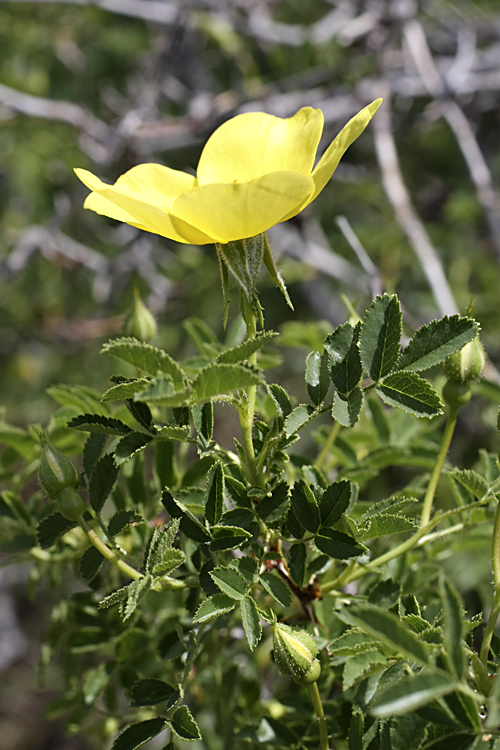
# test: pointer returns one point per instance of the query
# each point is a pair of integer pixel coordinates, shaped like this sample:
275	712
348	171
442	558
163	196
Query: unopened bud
56	472
295	653
70	504
467	364
140	322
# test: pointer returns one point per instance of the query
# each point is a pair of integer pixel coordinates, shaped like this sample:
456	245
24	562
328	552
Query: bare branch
376	283
152	10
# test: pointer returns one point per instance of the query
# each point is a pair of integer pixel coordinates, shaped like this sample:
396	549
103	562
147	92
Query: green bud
312	674
467	364
56	472
456	394
70	504
294	652
140	322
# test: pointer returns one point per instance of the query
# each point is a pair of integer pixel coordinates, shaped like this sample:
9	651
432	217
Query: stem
328	445
247	409
318	707
108	554
495	610
438	466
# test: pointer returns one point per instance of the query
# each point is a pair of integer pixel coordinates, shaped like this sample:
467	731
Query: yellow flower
255	171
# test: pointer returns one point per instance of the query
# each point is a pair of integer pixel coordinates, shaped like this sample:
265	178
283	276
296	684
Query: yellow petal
240	210
141	209
330	159
254	144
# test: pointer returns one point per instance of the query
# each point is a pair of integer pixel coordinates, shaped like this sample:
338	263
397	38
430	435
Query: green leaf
389	629
125	389
150	692
384	524
95	681
160	543
345	361
230	581
274	506
184	726
243	259
129	445
228	537
297	563
170	432
411	393
161	392
18	439
52	528
458	741
171	560
305	506
92	451
141	413
317	380
218	379
380	336
433	343
214	494
121	520
472	481
356	729
251	621
334	502
407	732
411	693
145	357
102	481
244	351
96	423
203	418
281	399
272	269
214	606
189	525
135	592
299	418
338	545
90	563
357	666
79	397
347	407
453	629
278	589
138	734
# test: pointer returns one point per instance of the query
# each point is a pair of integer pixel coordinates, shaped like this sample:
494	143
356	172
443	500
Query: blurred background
104	85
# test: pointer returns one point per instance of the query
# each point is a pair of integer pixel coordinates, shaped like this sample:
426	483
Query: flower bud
295	653
467	364
70	504
56	472
139	321
456	394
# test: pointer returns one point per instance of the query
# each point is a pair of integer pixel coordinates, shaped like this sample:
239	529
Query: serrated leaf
345	361
135	592
411	393
228	537
338	545
114	598
15	437
387	523
317	377
102	480
52	528
230	581
160	542
347	407
299	418
145	357
472	481
150	692
129	445
92	451
96	423
141	413
244	351
386	627
297	563
95	681
189	524
453	629
214	606
80	397
274	506
184	726
411	693
433	343
305	506
214	494
334	502
251	621
125	389
356	729
281	399
161	392
392	505
380	336
90	563
203	418
358	665
218	379
121	520
277	588
171	560
170	432
138	734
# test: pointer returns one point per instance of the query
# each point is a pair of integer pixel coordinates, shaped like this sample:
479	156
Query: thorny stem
438	466
108	554
318	707
495	609
247	409
330	440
